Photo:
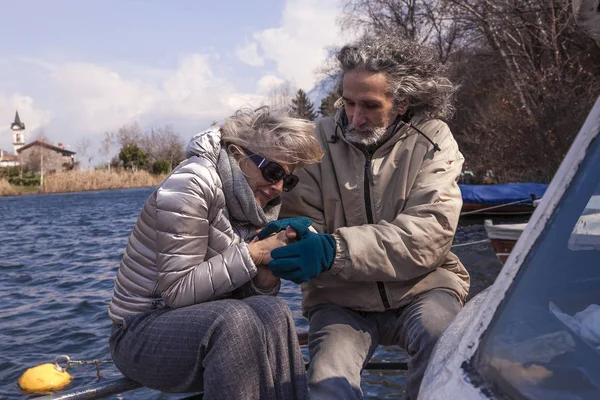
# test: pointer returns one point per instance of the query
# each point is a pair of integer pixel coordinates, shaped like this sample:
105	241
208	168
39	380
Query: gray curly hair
413	71
273	135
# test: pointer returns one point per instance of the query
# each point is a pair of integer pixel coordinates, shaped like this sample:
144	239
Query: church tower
18	129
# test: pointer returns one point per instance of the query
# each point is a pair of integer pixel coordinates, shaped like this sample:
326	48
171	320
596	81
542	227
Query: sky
76	69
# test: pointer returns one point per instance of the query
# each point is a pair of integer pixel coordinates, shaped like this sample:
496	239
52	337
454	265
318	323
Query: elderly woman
193	307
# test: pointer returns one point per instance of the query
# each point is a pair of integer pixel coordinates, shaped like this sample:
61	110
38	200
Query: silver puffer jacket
183	249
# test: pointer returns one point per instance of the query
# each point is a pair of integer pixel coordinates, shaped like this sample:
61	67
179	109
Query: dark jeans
230	349
341	342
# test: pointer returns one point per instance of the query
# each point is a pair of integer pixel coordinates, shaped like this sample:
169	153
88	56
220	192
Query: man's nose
358	117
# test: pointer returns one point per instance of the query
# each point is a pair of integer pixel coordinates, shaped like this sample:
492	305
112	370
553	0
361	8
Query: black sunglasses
272	171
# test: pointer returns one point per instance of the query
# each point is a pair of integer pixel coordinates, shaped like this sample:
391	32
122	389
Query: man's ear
402	107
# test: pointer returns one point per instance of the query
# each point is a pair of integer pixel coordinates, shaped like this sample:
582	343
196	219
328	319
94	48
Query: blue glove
301	261
279	225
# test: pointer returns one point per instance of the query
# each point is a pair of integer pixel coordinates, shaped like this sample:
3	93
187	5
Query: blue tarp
502	193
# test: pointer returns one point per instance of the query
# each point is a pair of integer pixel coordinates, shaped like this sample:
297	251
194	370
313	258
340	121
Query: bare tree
108	142
162	143
527	73
83	148
38	156
129	134
423	21
538	42
279	97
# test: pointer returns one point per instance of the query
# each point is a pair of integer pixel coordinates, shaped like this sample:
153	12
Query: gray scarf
245	214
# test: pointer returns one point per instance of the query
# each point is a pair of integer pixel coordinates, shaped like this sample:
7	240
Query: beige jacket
393	217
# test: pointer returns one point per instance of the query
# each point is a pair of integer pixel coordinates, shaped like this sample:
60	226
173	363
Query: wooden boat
501	199
503	237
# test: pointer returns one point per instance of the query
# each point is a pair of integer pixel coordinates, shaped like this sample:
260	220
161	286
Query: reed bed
79	181
6	189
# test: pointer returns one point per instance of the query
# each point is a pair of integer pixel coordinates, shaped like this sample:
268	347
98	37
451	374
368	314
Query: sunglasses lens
290	182
273	172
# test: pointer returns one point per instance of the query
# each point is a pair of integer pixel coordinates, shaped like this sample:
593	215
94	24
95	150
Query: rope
471	243
70	362
493	207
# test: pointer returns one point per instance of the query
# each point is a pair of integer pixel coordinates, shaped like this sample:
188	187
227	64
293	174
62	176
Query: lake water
59	255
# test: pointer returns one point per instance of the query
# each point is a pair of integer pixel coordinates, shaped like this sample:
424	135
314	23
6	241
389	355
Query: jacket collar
206	144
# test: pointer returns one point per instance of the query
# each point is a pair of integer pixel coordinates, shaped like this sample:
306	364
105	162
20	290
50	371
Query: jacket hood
206	144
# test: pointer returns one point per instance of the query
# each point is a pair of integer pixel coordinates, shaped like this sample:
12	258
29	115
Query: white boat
535	333
503	237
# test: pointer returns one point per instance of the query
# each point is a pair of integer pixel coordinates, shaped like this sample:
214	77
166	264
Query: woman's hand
264	278
260	250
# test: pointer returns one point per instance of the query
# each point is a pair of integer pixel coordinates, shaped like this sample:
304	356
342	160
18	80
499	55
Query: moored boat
501	199
503	237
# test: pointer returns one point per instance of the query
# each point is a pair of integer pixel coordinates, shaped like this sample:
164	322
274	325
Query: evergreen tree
302	107
327	108
133	157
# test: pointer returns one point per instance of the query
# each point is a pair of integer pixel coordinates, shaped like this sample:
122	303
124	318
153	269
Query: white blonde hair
273	135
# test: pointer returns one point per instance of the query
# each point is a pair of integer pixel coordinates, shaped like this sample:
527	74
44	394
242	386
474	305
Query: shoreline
84	181
38	192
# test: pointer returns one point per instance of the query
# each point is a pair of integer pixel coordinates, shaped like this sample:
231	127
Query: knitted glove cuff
342	257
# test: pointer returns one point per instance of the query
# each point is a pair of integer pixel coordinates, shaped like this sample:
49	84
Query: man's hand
281	224
301	261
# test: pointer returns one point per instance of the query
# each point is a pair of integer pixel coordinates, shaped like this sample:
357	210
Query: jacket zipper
368	180
155	303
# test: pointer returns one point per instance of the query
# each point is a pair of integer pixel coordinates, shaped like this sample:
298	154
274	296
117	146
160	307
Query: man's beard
367	136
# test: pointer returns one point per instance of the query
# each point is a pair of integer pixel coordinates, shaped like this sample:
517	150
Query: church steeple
17	125
18	129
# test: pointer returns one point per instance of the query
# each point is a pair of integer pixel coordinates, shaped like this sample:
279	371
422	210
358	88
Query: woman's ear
235	151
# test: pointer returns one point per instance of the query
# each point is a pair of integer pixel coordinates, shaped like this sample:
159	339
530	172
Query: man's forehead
365	94
362	97
365	86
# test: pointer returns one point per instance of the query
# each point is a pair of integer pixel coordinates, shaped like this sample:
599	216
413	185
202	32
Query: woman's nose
277	187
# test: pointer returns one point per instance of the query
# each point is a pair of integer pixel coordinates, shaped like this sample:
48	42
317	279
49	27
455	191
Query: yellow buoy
44	378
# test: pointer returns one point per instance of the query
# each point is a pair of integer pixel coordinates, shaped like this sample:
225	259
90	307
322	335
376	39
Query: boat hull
503	237
502	248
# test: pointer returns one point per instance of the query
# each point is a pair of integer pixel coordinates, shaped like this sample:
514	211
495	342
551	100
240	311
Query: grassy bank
80	181
6	189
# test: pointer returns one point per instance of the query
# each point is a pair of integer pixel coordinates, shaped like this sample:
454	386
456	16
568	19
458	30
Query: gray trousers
341	342
230	349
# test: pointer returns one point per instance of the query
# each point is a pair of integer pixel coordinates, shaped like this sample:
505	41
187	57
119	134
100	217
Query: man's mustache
360	129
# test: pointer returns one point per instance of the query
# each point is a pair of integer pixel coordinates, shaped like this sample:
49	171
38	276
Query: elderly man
385	203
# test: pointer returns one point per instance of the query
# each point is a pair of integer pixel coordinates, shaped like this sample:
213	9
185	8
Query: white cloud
78	99
95	99
194	91
299	45
248	53
89	99
267	83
